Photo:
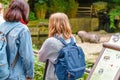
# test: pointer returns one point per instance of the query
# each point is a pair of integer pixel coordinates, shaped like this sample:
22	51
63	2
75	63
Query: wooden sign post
107	66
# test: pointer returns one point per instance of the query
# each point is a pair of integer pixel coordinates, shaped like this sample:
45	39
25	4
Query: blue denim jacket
19	41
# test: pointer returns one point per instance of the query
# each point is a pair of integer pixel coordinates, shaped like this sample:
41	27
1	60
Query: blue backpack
70	64
4	70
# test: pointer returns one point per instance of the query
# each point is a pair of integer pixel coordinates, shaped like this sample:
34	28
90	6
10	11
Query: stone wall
87	24
77	24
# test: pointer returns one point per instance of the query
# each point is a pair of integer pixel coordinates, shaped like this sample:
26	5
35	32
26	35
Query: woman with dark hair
19	41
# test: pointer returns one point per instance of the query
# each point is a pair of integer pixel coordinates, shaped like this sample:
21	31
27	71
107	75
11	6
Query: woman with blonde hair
59	26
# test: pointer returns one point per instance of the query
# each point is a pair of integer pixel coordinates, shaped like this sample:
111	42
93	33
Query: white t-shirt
1	19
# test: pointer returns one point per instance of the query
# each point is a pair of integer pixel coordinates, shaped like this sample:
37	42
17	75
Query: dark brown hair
17	10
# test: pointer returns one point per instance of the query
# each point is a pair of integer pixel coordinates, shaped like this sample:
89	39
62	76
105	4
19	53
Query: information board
107	66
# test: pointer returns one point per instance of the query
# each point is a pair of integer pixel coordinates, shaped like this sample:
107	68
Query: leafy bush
5	2
40	9
43	8
98	6
39	69
32	16
71	8
116	1
56	6
113	14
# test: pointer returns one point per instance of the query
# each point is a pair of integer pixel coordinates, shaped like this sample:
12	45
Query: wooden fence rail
89	9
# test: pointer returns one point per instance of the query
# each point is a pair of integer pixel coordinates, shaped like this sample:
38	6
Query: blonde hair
59	24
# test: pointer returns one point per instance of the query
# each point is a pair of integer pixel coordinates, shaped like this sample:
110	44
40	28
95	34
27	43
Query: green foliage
43	8
34	47
42	1
40	9
56	6
5	2
69	7
113	13
32	16
84	77
38	69
72	8
100	5
116	1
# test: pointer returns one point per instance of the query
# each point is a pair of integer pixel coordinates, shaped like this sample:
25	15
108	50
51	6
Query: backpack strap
64	42
45	70
72	40
15	61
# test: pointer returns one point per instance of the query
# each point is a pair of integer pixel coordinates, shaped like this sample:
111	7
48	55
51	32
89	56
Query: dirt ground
92	50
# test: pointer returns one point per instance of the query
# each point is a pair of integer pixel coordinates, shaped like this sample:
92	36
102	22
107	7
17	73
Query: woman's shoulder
19	29
17	24
51	40
24	26
55	40
53	43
